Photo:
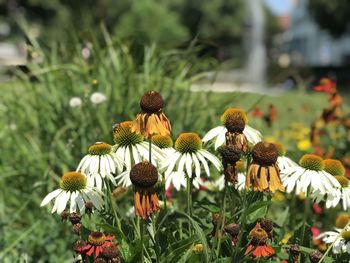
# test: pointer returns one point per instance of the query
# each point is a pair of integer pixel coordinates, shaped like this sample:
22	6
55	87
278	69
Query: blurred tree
331	15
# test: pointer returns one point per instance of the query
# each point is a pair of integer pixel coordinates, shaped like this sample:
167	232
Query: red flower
317	209
326	85
258	247
315	231
96	242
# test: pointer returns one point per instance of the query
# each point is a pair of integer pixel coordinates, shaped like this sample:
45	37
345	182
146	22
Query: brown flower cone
238	140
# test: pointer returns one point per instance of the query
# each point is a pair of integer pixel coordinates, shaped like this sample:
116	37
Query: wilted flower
144	176
97	241
233	231
230	155
75	102
132	149
236	121
258	247
294	252
100	163
241	177
97	98
309	176
73	189
315	256
188	154
198	248
151	120
263	173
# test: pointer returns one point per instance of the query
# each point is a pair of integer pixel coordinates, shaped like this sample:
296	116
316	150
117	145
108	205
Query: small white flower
97	98
74	190
75	102
309	176
99	164
188	156
341	245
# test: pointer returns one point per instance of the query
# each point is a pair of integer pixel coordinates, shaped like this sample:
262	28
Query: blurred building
308	45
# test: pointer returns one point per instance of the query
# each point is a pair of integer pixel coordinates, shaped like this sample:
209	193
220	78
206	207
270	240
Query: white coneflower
310	175
132	149
165	143
336	168
75	102
100	163
219	133
283	161
97	98
241	177
73	190
188	155
340	238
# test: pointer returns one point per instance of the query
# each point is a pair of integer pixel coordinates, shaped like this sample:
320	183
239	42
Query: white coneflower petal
213	159
213	133
197	165
204	162
124	179
188	164
50	196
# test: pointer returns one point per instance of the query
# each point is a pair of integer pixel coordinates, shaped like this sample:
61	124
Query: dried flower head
315	256
144	176
74	218
263	173
151	120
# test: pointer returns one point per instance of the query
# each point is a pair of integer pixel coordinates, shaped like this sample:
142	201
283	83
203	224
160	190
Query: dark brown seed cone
229	153
315	256
265	153
74	218
64	215
230	173
76	228
294	252
238	140
89	206
144	175
79	245
232	229
110	251
151	102
266	224
235	123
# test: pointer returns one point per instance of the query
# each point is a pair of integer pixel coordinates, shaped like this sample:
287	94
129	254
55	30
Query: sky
279	7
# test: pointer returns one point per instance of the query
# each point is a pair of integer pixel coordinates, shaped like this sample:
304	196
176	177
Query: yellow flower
270	139
278	197
286	237
304	145
198	248
94	82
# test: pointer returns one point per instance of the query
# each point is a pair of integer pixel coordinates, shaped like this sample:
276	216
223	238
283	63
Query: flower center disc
334	167
144	175
258	235
152	102
73	181
346	235
96	238
311	162
100	148
240	166
123	136
342	220
264	153
188	143
162	141
344	182
234	113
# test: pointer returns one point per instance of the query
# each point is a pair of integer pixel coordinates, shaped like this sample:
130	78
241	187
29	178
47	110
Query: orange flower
151	120
144	176
258	247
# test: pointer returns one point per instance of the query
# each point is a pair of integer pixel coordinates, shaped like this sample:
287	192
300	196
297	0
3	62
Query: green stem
306	215
142	238
222	220
189	202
